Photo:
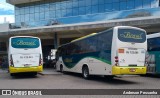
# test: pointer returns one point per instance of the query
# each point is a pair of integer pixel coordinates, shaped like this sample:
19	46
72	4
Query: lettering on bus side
25	42
131	35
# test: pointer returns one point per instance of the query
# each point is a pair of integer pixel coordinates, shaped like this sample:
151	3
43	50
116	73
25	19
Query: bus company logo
6	92
21	42
68	60
130	35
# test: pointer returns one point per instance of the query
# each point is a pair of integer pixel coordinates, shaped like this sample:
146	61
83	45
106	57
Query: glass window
42	16
37	8
17	12
37	16
63	13
69	4
46	7
63	5
101	8
153	44
41	8
116	6
52	14
75	3
94	2
131	35
75	11
31	9
69	12
17	18
26	17
22	18
47	15
82	10
130	4
123	5
115	0
26	10
108	1
31	17
21	11
101	1
138	4
58	13
146	3
95	9
88	10
88	2
155	3
82	3
52	6
25	42
108	7
58	6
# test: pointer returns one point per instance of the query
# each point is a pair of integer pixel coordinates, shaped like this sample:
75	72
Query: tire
61	68
85	72
109	77
34	74
12	74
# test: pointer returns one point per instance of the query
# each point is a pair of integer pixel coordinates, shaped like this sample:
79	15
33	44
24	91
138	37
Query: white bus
153	57
117	51
25	55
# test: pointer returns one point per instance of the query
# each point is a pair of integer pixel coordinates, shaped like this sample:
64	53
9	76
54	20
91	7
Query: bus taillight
40	61
120	50
116	60
11	61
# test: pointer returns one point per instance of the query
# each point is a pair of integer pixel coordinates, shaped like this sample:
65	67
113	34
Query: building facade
49	12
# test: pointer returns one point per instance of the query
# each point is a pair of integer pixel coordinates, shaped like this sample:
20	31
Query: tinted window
154	44
25	42
131	35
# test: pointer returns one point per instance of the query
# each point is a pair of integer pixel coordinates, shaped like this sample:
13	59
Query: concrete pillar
56	40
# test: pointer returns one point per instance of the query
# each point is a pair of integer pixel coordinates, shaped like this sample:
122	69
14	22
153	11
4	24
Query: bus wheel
34	73
12	74
61	68
109	77
85	72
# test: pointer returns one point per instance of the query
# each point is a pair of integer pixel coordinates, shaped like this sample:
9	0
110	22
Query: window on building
138	4
123	5
146	3
130	4
116	6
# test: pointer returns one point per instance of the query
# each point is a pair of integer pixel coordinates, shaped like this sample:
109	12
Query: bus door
157	62
25	60
131	57
151	64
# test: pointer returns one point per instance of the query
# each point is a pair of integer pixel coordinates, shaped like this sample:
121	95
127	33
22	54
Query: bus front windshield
25	42
131	35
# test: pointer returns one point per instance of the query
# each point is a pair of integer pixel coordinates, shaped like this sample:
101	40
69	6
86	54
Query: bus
117	51
153	55
25	55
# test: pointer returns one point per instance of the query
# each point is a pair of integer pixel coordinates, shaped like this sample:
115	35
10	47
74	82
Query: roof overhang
14	2
150	24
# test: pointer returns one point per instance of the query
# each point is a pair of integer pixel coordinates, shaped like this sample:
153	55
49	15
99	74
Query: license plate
132	52
132	70
26	65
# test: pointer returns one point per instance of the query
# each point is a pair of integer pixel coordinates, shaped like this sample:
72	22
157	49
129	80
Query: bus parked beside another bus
25	55
153	57
117	51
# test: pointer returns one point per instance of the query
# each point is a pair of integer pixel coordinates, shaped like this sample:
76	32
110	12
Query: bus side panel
157	57
98	67
153	60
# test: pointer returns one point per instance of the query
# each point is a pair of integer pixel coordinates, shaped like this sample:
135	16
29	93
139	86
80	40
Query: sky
6	11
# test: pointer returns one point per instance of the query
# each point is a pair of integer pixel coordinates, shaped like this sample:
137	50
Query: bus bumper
25	69
117	70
